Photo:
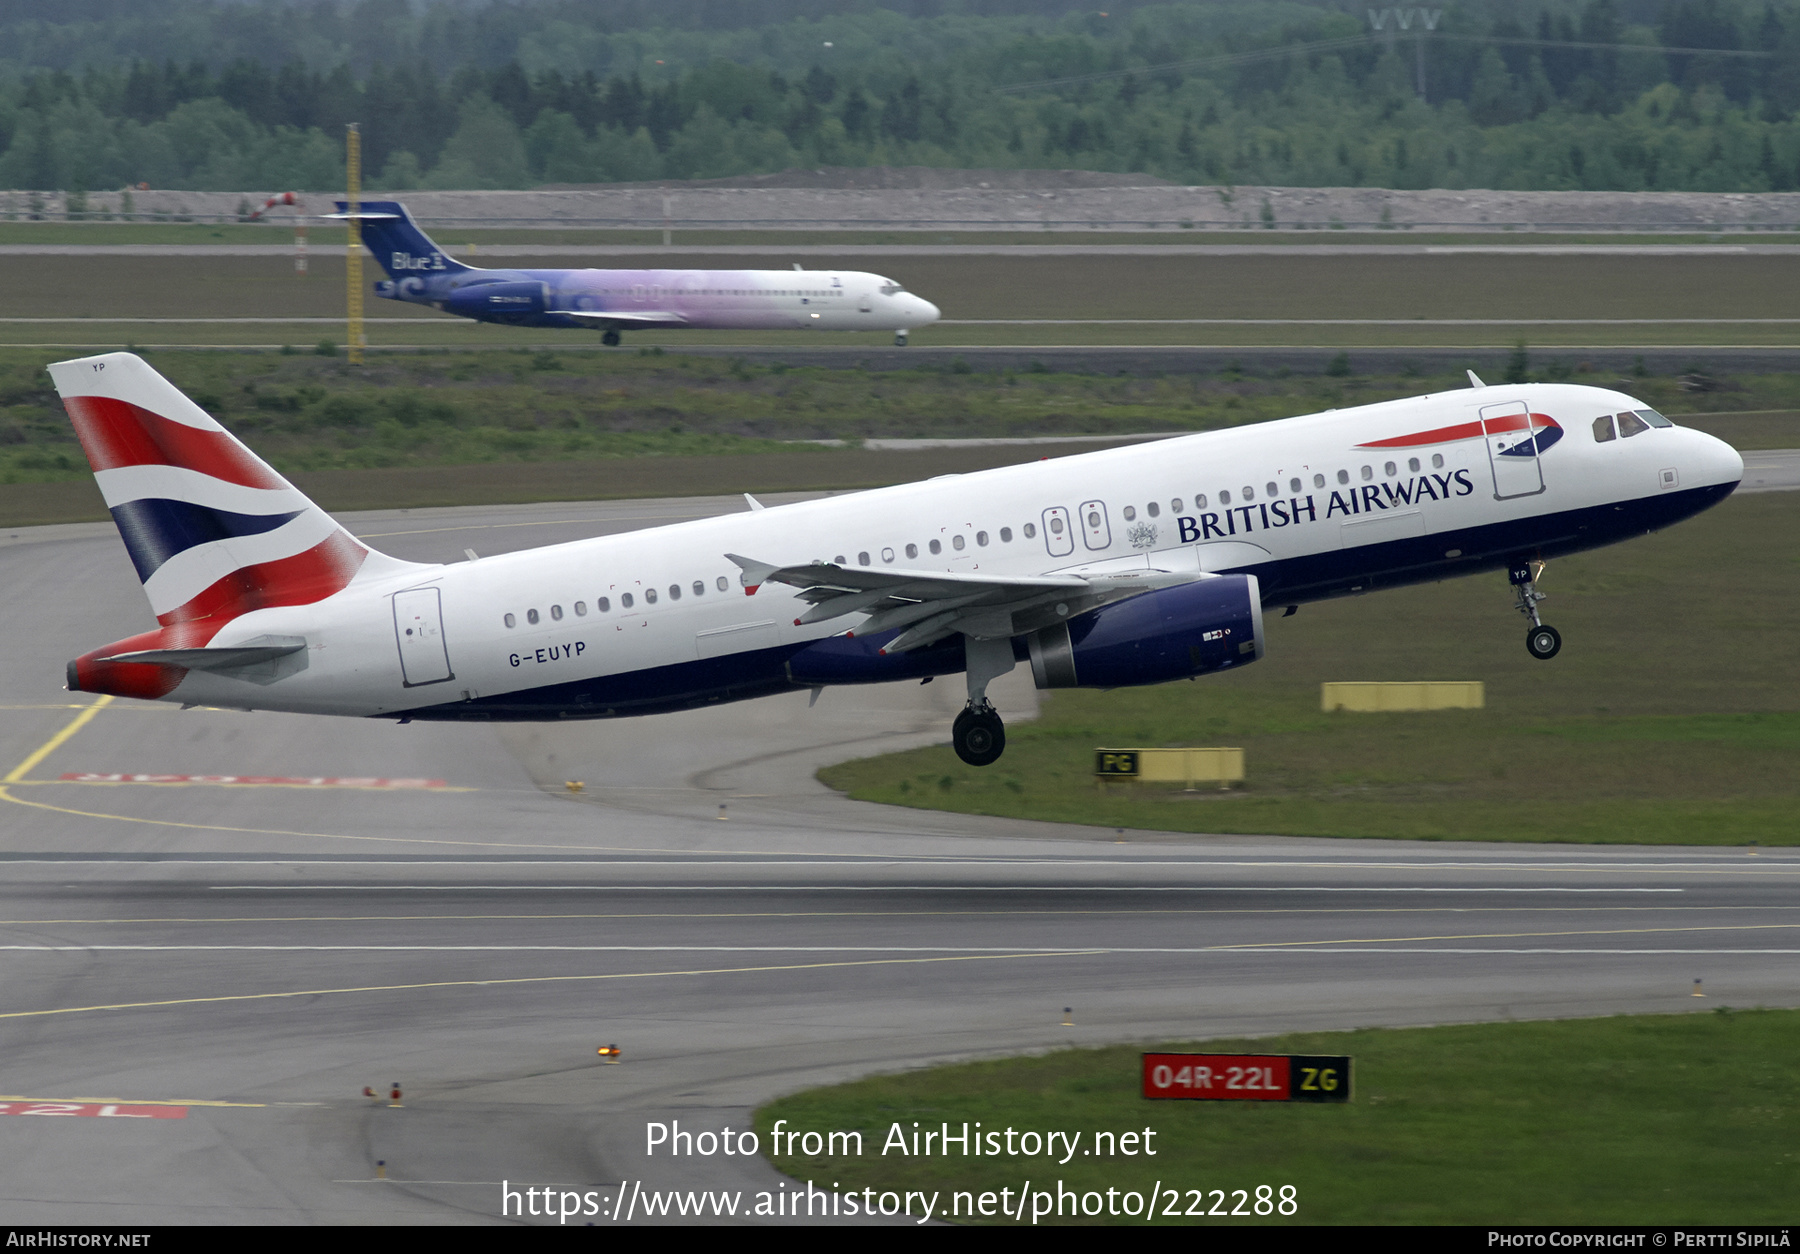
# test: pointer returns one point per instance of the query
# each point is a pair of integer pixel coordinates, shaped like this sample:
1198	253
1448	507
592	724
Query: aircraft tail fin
212	529
400	247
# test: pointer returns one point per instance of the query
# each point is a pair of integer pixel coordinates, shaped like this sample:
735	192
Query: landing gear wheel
899	339
610	339
979	736
1543	642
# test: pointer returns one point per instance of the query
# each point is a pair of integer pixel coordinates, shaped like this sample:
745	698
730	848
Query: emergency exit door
1512	450
419	632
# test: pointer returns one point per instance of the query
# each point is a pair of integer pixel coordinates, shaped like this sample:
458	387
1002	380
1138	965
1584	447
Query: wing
648	320
929	605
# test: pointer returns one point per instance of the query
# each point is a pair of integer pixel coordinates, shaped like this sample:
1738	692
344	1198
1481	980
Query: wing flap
615	320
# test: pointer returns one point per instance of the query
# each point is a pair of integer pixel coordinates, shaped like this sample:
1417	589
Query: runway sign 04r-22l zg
1247	1077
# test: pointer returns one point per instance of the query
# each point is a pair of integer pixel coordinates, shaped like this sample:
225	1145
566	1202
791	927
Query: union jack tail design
213	531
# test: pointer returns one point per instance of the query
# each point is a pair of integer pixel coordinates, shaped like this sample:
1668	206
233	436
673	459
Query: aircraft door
1512	450
419	631
1059	536
1094	529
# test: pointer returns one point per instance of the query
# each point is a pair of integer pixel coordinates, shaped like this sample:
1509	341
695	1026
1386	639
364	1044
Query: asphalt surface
474	931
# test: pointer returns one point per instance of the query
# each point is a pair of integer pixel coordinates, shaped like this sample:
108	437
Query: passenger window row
934	547
603	605
1273	487
1153	510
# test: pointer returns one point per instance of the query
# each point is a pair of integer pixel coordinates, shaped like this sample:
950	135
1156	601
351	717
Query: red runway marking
93	1110
312	781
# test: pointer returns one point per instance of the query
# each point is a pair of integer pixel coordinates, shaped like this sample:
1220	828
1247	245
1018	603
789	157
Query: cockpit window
891	288
1630	425
1603	429
1653	418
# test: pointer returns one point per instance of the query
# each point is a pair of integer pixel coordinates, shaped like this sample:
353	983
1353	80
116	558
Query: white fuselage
1304	504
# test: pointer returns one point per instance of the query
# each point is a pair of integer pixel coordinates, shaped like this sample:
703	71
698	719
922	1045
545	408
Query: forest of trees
228	95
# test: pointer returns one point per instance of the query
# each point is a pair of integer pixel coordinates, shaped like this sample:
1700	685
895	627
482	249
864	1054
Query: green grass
1627	1120
1670	717
510	483
305	412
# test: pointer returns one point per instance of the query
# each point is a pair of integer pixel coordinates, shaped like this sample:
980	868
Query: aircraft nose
926	311
1714	461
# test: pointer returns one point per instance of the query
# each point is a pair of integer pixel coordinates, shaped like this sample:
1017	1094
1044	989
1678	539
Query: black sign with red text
1247	1077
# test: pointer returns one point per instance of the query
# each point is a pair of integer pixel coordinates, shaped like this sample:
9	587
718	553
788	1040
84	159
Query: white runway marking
1270	947
891	888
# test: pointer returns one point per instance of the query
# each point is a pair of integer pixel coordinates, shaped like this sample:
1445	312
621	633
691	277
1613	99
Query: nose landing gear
1543	642
899	339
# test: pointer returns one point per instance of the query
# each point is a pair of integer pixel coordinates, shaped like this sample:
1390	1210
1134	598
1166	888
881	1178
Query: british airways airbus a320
614	301
1136	565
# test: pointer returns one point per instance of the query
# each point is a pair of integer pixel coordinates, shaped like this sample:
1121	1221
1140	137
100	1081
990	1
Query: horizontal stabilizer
220	659
398	245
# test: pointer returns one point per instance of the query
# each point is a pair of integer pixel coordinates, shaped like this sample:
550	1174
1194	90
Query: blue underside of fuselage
1291	581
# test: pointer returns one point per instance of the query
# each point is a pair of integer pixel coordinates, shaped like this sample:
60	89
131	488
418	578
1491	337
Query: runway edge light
609	1053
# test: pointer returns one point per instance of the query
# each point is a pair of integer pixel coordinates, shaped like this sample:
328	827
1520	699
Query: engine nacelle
498	300
1173	633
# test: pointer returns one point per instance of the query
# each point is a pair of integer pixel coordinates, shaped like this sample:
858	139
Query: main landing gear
610	339
1542	641
978	733
979	736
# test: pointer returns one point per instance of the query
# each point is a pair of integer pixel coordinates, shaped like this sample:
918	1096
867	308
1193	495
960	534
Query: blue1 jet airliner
1136	565
615	301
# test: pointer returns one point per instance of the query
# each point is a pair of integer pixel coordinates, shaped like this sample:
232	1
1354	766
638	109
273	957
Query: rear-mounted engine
498	300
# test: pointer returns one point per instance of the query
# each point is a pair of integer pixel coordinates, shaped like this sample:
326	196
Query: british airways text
1368	499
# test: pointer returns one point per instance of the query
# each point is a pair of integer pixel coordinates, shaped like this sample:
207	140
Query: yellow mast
353	259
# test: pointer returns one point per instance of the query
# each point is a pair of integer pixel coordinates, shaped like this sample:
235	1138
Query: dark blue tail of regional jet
402	249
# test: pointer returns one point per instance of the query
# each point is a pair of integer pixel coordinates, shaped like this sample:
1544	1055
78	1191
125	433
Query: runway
250	917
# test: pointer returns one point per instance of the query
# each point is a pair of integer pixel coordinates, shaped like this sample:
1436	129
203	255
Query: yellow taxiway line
55	742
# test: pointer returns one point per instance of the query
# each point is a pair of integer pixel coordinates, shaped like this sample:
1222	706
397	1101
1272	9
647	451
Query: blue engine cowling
498	300
1174	633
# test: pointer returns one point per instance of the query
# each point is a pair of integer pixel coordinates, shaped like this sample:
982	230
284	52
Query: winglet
756	506
1475	380
753	573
